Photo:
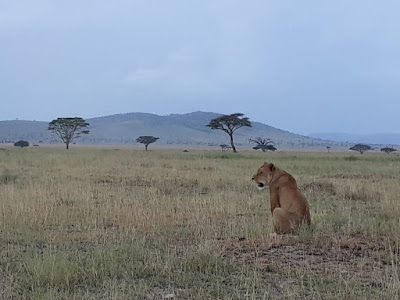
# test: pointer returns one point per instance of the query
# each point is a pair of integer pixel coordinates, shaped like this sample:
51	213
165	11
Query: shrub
21	144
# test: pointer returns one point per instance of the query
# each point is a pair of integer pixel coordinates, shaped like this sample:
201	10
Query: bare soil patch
349	257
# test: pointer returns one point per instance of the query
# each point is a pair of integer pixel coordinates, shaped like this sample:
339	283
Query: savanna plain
92	223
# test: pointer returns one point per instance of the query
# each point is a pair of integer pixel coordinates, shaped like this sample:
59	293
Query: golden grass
107	224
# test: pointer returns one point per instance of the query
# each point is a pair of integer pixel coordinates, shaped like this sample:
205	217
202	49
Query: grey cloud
322	60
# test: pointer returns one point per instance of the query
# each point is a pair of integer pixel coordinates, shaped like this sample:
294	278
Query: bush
21	144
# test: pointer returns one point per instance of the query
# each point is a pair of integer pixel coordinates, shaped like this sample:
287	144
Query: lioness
289	207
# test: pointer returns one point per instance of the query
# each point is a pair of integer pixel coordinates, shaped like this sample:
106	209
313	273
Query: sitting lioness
289	207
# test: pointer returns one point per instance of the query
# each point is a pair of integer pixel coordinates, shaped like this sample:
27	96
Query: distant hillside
33	131
381	139
179	129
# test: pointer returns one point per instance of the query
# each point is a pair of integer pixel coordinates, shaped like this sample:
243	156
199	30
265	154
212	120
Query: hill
33	131
380	139
178	129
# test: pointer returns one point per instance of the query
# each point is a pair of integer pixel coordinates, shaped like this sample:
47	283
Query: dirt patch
350	257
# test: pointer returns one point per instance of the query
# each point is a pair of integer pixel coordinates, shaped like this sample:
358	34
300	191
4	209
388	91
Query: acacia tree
229	124
21	144
328	147
68	129
263	144
146	140
224	147
361	148
388	150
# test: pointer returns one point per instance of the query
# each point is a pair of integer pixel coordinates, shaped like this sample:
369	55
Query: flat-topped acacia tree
388	150
22	144
229	124
147	140
361	148
68	129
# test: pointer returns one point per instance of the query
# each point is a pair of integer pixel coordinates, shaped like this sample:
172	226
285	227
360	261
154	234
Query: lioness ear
271	167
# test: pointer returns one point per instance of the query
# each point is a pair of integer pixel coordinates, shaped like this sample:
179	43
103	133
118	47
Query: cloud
289	58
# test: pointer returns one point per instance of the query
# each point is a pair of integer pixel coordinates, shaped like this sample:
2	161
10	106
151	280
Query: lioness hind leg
283	221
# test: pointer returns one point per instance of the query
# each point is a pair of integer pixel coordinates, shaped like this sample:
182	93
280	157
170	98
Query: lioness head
263	177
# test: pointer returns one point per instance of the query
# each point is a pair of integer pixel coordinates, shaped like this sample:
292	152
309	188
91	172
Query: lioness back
284	194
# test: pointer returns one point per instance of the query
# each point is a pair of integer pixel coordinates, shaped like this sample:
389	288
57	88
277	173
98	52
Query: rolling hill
174	129
381	138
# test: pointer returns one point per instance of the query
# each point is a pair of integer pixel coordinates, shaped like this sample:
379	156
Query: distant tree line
70	129
362	148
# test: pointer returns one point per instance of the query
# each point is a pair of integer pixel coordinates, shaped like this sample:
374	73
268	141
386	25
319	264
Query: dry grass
106	224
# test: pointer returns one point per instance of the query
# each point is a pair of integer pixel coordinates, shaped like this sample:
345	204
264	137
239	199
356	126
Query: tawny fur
289	207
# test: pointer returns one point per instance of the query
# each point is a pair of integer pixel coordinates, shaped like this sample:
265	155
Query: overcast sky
302	66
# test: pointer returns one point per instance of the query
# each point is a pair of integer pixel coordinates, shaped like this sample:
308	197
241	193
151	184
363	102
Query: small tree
229	124
146	140
263	144
21	144
224	147
361	148
329	148
388	150
68	129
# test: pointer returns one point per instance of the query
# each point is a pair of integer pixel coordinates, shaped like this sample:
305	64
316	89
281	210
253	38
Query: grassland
108	224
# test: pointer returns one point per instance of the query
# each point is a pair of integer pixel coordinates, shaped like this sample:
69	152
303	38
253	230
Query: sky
303	66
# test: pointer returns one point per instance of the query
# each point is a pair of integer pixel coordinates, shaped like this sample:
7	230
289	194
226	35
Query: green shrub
21	144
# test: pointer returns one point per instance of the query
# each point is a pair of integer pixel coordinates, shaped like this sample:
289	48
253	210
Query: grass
104	224
7	177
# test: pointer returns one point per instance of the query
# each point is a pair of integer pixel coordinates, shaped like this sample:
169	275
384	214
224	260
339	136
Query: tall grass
93	224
